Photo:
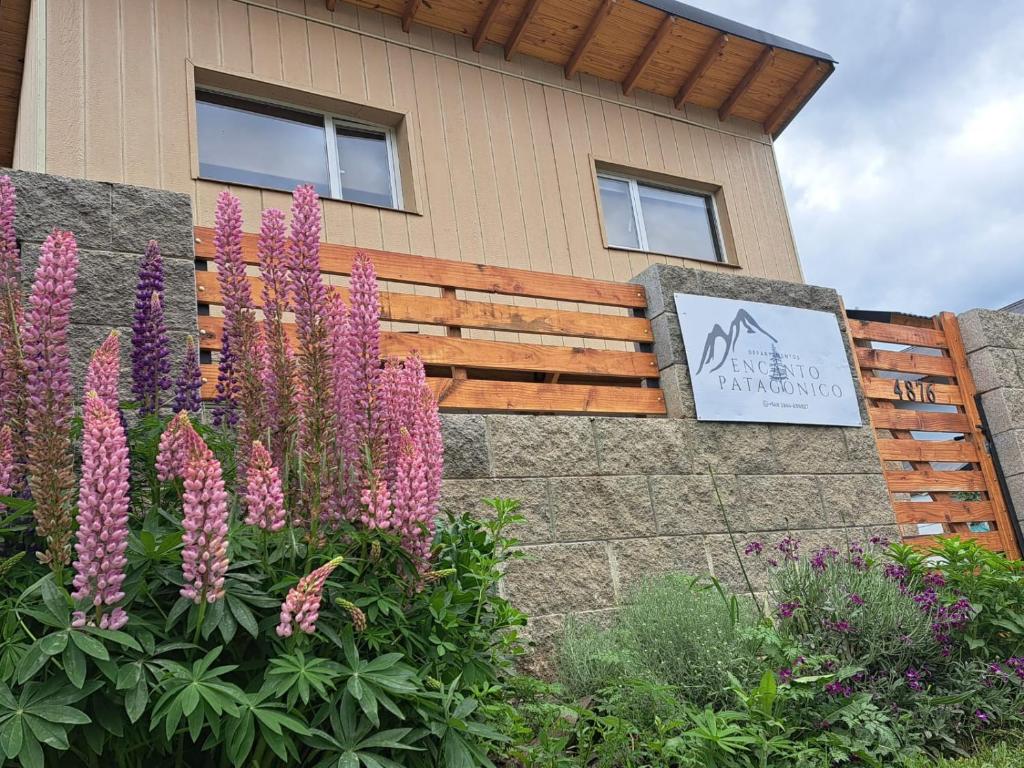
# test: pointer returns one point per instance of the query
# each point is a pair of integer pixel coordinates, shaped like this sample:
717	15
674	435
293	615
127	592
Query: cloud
903	174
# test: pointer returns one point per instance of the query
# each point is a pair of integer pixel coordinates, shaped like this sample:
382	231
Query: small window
646	217
275	147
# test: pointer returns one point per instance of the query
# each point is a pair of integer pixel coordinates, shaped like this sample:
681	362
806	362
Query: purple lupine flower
49	408
225	409
264	501
151	352
753	548
821	558
204	556
188	388
279	376
102	514
786	610
174	447
789	548
13	396
301	608
104	371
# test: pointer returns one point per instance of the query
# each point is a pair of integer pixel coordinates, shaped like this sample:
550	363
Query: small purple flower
821	558
786	610
1016	663
842	627
839	689
856	548
934	579
879	541
914	679
789	548
927	599
856	599
982	716
898	573
785	675
754	548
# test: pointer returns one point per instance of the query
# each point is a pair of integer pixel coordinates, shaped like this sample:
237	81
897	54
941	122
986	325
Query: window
275	147
646	217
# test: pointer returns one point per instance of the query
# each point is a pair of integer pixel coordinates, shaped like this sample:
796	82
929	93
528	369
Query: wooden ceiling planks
13	34
641	47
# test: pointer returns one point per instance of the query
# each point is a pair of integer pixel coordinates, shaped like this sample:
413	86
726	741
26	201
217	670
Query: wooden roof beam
411	7
647	54
600	15
480	35
748	80
711	55
795	96
517	34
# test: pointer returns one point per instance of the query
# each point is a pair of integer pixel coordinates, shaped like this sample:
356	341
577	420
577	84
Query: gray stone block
601	508
638	559
541	446
994	367
729	286
560	578
1004	409
731	448
803	449
1015	487
105	288
1009	450
856	499
458	496
686	504
861	450
780	502
991	328
675	383
46	202
662	281
668	340
140	214
465	446
628	446
731	566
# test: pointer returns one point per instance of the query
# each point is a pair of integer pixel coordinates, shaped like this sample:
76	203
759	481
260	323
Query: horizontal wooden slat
989	539
431	310
918	421
907	362
496	355
514	396
421	270
929	480
885	389
943	511
927	450
896	334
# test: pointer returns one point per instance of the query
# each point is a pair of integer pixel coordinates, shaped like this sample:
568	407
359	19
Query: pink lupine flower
312	316
49	409
204	556
6	463
279	375
234	287
102	512
264	501
105	371
377	511
12	364
170	455
301	608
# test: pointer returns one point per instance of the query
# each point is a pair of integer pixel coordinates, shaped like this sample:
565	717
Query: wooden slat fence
935	458
478	375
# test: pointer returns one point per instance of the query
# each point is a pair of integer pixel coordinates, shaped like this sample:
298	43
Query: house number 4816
916	391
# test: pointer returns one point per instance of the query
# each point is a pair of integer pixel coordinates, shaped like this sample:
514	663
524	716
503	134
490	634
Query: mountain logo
743	321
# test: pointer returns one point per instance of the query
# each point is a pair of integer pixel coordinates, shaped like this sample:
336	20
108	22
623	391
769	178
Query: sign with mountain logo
759	362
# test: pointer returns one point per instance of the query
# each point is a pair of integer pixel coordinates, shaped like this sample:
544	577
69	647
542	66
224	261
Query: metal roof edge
723	24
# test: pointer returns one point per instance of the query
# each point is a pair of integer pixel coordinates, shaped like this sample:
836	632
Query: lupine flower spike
105	371
171	453
13	395
301	608
151	363
204	556
102	516
48	369
6	463
234	288
188	388
264	501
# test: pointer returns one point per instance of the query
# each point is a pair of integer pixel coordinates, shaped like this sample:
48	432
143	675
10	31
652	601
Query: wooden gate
935	457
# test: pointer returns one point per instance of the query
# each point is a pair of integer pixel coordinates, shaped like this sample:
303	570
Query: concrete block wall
112	224
994	341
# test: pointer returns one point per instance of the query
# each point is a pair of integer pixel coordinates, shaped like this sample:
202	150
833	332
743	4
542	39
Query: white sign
762	362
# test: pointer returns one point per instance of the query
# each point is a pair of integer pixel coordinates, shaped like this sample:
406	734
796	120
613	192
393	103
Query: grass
999	756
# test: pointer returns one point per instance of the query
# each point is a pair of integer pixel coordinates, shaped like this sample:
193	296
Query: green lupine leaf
74	665
53	644
90	645
11	737
136	699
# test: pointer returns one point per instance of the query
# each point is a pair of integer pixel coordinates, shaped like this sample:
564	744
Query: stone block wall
994	342
112	224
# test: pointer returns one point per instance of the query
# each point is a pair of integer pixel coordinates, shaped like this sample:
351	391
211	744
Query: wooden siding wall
502	151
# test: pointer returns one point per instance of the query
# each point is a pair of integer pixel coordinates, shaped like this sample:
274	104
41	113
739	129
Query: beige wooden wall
502	151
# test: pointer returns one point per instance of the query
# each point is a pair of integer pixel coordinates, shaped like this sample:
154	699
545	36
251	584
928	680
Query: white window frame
330	121
638	220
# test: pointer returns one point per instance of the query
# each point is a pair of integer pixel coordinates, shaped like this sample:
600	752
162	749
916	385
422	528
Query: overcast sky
905	173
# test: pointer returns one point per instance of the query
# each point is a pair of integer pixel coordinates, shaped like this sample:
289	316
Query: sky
904	175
